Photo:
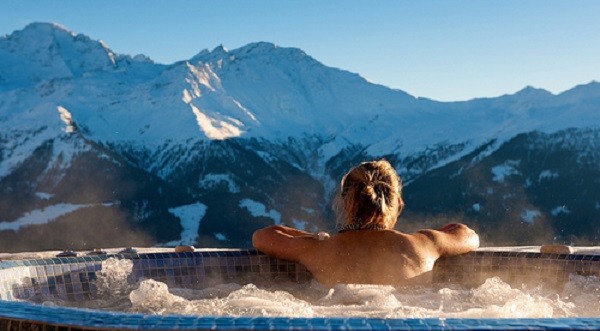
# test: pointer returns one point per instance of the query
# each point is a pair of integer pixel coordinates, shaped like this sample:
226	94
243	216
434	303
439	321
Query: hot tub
72	279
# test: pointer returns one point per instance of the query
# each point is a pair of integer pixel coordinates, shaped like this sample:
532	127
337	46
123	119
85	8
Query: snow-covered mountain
101	149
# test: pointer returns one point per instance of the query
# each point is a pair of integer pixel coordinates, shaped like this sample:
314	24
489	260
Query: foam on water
493	299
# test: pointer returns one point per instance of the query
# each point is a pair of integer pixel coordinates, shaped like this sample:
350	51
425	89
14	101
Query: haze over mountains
99	149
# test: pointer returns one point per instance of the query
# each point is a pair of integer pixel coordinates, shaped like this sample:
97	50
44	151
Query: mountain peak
39	34
41	27
265	48
42	51
220	50
257	47
530	91
252	50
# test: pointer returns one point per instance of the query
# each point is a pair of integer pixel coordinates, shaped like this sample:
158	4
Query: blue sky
444	50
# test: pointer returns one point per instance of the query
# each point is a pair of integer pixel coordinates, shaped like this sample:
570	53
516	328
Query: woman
366	249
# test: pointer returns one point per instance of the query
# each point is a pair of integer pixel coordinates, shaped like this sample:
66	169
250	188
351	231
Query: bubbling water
493	299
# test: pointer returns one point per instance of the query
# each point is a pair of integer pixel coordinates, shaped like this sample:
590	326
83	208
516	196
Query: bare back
369	257
366	256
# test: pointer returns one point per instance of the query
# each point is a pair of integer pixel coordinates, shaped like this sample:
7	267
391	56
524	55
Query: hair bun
375	196
369	191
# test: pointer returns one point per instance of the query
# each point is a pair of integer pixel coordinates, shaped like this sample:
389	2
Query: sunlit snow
214	128
187	97
67	118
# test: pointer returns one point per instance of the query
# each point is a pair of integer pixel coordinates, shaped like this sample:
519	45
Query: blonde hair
370	196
